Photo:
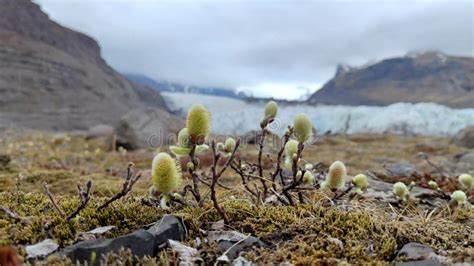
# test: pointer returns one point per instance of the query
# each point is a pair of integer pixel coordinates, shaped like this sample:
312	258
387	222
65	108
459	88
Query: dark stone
141	242
169	227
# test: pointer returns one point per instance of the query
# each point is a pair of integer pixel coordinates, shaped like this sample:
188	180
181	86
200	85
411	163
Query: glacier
237	117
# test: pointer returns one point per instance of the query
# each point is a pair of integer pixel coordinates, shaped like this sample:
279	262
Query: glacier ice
233	116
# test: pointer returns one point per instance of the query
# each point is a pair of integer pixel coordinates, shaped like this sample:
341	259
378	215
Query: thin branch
342	193
53	201
84	196
279	197
280	155
238	170
195	177
130	180
260	151
216	175
10	213
296	181
425	157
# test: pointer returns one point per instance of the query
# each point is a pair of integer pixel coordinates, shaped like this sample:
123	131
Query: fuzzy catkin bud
360	181
308	178
401	191
180	151
198	123
433	185
466	181
459	197
271	110
303	127
229	145
183	138
165	173
336	177
220	146
291	149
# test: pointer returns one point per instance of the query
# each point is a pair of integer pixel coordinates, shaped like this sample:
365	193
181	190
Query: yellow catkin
166	174
198	123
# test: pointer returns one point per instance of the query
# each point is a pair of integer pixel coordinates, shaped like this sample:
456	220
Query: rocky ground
356	229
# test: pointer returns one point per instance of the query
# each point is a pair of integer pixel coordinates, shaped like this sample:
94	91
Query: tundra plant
303	127
286	179
466	181
336	177
166	176
198	124
400	190
459	197
286	176
360	182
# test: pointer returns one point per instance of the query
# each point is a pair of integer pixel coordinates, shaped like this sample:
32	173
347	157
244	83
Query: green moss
128	214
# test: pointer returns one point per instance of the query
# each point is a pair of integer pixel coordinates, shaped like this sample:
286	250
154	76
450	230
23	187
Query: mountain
54	78
164	86
426	77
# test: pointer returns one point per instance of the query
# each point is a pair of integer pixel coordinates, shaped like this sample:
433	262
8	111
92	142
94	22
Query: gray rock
415	251
402	169
99	131
169	227
147	128
417	254
41	249
232	242
141	242
465	137
467	158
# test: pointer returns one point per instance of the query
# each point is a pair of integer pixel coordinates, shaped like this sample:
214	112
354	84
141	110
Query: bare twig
53	201
216	175
260	151
342	193
279	197
10	213
130	180
280	155
84	195
296	181
425	157
195	177
238	169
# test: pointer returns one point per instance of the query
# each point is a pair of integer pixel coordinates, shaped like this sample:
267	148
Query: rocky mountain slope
428	77
54	78
165	86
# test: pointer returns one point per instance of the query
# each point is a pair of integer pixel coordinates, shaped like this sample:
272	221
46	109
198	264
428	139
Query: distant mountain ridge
425	77
54	78
164	86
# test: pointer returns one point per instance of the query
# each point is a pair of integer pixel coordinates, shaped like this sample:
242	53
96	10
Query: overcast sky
271	47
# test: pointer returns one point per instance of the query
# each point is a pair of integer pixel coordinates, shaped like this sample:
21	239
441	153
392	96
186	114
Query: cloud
259	44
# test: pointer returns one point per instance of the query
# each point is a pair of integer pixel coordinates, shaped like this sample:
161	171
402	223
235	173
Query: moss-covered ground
357	231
